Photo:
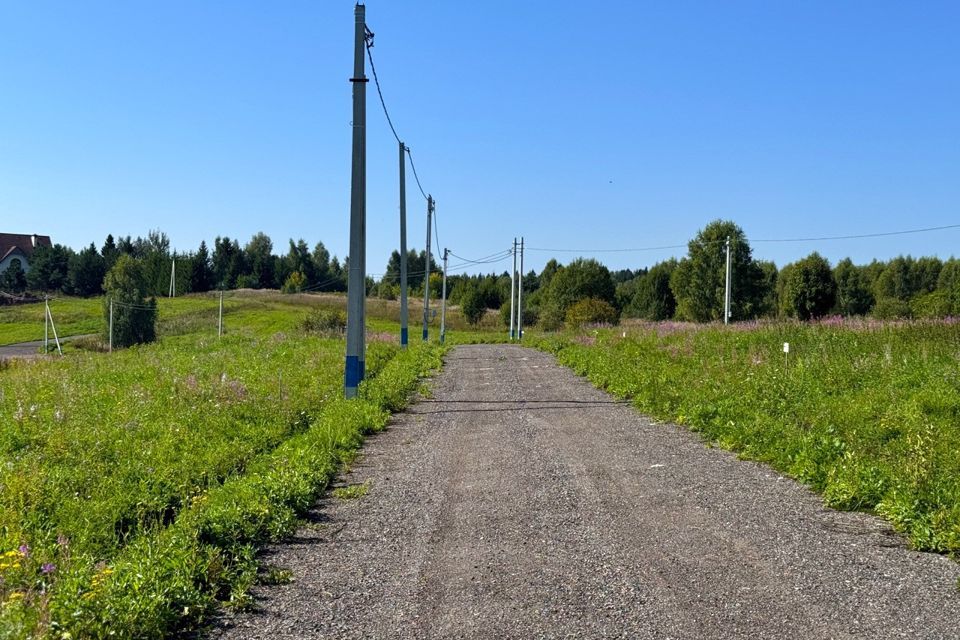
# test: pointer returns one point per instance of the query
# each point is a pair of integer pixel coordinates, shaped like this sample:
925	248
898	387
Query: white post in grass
220	317
111	326
46	325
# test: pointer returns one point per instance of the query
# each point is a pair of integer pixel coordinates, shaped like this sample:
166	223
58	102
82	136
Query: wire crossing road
520	502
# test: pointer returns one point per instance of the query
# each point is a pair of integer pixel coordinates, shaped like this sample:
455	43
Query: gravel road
521	502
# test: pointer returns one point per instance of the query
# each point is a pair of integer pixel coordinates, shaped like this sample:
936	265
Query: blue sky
577	125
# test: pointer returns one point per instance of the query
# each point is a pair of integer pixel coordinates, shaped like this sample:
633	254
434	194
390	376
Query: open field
134	483
864	412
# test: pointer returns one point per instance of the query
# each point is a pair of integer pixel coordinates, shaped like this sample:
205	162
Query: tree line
254	265
692	288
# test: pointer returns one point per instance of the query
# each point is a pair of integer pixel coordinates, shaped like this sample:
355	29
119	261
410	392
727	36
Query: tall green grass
134	485
867	414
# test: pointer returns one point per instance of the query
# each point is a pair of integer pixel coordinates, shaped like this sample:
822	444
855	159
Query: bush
326	321
591	311
294	283
890	308
134	317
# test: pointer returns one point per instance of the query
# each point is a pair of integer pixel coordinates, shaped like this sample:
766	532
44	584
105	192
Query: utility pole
520	295
46	325
443	303
513	286
426	271
220	317
173	278
111	325
726	292
356	283
404	329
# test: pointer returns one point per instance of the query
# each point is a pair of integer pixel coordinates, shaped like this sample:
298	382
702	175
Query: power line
712	242
862	235
376	81
415	176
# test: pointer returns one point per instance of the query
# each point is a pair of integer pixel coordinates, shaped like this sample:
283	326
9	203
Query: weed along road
520	502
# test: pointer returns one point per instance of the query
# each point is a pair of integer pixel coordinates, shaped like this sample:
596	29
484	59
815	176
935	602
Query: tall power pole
513	287
426	271
443	299
404	330
356	283
520	295
726	292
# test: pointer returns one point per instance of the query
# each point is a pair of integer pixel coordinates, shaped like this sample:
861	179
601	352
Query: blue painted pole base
424	335
351	376
404	336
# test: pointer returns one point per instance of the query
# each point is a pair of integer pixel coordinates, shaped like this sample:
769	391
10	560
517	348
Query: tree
134	317
13	279
295	283
201	271
810	289
472	305
949	283
698	282
549	270
109	252
86	272
853	289
227	262
49	268
321	262
582	278
299	259
653	298
258	259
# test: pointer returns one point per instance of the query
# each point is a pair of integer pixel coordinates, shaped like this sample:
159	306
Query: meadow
866	413
134	486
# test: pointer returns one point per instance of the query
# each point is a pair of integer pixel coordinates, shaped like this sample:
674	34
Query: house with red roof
19	247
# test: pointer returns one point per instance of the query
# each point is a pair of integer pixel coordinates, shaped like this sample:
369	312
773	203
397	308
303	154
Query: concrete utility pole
220	317
356	283
111	325
173	277
46	325
443	298
520	295
726	293
513	287
404	330
426	271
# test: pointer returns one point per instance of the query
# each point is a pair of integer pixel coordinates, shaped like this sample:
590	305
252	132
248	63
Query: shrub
889	308
294	283
472	305
591	311
326	321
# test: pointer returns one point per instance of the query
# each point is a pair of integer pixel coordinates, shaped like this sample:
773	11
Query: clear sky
575	124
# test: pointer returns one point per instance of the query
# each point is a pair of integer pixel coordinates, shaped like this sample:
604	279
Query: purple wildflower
48	568
25	550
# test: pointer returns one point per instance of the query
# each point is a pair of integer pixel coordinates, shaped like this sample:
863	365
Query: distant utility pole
356	283
404	330
46	325
726	292
520	295
426	270
443	298
173	277
220	317
111	326
513	286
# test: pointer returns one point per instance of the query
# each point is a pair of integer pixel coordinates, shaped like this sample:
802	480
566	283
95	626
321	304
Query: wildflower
16	595
48	568
24	550
63	541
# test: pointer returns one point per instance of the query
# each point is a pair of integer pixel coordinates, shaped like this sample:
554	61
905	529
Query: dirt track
520	502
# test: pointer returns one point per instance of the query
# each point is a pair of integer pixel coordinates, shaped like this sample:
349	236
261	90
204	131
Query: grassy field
866	413
134	485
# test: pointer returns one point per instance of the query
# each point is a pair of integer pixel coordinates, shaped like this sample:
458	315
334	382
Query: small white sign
786	347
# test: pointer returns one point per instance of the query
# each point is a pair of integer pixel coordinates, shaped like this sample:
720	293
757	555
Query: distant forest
690	289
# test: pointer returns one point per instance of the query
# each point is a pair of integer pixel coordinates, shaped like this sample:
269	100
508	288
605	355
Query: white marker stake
786	352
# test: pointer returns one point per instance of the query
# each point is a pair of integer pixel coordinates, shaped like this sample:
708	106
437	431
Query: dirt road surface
520	502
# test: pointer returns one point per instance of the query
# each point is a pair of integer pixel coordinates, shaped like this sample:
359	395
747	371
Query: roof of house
26	243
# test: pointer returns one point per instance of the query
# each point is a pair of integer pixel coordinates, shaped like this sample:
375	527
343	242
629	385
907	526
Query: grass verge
866	414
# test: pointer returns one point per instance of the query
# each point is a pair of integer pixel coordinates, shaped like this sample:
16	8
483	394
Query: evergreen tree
13	279
134	317
201	271
86	272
